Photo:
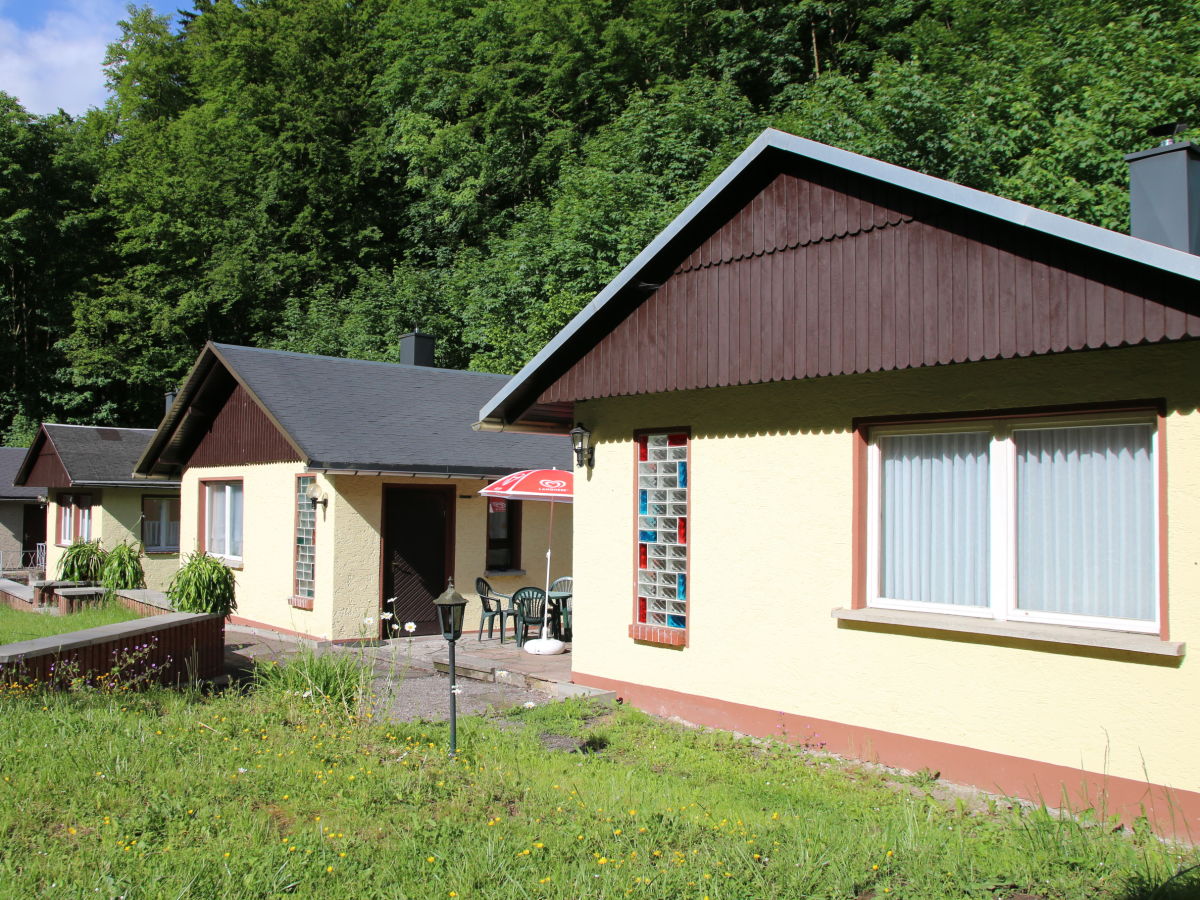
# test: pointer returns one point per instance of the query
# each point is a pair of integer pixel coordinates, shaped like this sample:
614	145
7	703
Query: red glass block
642	556
643	449
683	531
641	609
676	440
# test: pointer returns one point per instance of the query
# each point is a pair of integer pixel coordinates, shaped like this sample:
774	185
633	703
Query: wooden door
417	546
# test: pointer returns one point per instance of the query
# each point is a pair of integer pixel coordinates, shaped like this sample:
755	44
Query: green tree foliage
323	175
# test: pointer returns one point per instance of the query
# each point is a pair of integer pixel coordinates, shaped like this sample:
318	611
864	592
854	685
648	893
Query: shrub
82	561
122	569
203	584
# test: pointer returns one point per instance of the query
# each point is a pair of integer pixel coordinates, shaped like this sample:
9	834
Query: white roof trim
1146	252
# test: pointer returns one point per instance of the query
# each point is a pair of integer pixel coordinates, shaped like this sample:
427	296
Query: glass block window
306	533
662	506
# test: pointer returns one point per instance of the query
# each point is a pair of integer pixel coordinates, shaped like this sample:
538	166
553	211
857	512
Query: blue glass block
648	536
676	621
681	584
642	502
683	474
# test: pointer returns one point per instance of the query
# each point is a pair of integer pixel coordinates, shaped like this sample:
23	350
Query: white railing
24	559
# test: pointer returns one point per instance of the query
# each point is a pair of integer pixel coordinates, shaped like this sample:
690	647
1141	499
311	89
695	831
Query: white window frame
164	522
227	524
1002	484
66	520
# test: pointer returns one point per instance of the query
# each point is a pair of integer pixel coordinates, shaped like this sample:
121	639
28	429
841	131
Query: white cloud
56	60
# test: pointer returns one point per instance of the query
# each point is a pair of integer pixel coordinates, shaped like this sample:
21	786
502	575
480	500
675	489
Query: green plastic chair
564	619
492	608
530	603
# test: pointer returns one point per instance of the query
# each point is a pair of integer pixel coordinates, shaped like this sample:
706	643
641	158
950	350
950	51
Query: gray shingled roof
350	414
97	454
10	461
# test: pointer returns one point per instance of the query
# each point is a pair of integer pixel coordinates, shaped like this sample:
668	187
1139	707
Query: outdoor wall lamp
314	497
450	608
581	441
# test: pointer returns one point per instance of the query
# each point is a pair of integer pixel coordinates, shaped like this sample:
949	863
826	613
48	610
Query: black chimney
1164	191
416	349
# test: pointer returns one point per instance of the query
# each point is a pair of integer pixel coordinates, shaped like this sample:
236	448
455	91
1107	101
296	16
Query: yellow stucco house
897	468
87	472
332	485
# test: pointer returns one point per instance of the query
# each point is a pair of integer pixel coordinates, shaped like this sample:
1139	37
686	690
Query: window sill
503	573
161	551
301	602
1025	631
658	634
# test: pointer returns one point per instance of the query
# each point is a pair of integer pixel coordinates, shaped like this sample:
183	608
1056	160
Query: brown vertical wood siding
828	273
177	650
48	470
241	433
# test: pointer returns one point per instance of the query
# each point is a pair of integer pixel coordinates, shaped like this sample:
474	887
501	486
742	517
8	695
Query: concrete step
466	667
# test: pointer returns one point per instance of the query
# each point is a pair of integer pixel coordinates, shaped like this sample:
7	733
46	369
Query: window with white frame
223	520
1051	520
74	518
160	524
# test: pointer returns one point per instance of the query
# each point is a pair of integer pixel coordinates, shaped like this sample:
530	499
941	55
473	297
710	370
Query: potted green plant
122	570
82	561
203	584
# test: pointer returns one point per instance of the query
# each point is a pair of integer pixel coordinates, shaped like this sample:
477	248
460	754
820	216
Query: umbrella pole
549	544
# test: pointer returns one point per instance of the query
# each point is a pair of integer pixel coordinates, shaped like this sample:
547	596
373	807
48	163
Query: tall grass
237	795
338	678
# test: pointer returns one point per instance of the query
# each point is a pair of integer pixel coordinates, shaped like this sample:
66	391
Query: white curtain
1086	536
216	519
934	541
235	520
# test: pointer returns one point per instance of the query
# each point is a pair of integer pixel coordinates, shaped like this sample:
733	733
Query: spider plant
123	568
203	584
82	561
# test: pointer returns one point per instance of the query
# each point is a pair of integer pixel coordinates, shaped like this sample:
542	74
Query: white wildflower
410	627
242	771
529	704
368	620
385	615
306	694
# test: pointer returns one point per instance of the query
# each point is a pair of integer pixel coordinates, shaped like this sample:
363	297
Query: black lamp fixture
581	442
450	608
314	496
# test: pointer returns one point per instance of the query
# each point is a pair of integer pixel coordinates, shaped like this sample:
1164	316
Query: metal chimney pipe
170	401
1164	193
416	349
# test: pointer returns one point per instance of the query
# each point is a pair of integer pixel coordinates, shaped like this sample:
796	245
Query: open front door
418	527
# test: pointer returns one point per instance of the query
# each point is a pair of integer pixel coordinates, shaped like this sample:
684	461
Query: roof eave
515	398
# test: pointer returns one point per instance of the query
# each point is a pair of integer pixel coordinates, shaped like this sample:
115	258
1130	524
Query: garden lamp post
450	607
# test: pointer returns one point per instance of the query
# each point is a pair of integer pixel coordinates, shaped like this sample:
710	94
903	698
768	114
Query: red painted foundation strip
1172	813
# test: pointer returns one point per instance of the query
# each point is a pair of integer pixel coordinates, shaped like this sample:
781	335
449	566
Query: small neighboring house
901	469
22	516
88	474
332	485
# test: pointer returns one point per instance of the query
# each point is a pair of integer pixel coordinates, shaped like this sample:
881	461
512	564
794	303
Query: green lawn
161	794
18	625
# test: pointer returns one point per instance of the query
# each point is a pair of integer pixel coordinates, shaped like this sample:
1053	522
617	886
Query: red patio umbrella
553	486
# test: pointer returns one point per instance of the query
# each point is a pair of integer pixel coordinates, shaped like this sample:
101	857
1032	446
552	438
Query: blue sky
51	50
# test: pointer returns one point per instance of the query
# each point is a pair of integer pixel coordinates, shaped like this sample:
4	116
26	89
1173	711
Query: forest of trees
324	175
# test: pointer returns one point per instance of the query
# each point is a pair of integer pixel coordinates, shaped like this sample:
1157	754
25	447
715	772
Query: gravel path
417	694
